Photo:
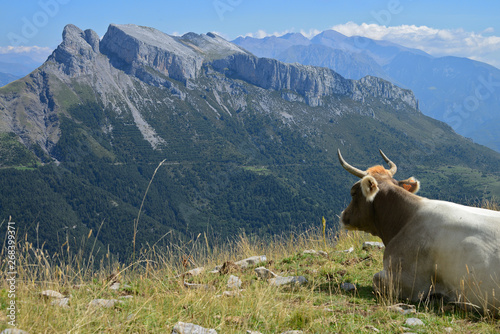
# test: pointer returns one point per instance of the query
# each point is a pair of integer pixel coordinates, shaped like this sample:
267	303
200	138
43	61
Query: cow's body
432	247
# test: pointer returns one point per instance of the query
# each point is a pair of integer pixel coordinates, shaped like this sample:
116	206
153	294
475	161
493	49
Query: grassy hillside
153	296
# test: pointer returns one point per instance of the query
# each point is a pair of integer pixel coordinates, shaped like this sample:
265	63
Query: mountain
461	92
348	64
5	78
246	143
272	46
14	66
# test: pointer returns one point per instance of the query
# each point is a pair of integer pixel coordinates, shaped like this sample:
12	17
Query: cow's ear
369	187
411	184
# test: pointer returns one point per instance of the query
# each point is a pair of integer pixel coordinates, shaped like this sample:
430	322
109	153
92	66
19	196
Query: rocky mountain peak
76	48
210	45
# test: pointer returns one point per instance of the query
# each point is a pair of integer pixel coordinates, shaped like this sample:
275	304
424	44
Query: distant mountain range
249	144
14	66
461	92
6	78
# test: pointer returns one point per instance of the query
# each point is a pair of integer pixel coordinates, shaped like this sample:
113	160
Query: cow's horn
393	166
353	170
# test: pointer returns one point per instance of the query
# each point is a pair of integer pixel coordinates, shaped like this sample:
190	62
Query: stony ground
304	284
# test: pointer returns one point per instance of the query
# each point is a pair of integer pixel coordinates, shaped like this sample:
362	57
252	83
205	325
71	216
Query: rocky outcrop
133	48
310	82
313	83
380	88
76	50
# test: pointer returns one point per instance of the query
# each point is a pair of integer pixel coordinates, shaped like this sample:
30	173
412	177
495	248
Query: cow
432	247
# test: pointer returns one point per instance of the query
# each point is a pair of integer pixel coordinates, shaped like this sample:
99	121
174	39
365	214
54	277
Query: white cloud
263	33
437	42
24	49
311	33
37	53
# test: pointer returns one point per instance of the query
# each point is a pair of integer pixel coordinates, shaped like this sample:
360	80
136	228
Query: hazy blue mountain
349	64
461	92
5	78
271	46
18	65
248	144
446	87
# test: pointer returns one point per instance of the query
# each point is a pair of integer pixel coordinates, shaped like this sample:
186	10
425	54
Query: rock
253	332
289	280
234	282
293	332
264	273
373	244
198	286
51	294
76	42
233	293
61	302
127	297
372	328
93	39
195	271
188	328
315	252
216	270
115	286
13	331
402	308
414	322
350	250
348	286
309	82
106	303
251	261
147	47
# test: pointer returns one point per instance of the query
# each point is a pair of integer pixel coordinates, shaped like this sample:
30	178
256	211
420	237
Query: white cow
432	247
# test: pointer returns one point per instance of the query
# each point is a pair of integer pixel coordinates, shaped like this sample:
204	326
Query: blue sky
462	28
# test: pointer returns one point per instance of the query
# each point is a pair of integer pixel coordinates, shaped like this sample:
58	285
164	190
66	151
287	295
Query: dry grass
160	299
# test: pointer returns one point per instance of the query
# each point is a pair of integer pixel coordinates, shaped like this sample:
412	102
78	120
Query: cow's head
377	185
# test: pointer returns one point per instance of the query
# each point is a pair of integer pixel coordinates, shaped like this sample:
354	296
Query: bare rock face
77	48
132	47
312	83
93	39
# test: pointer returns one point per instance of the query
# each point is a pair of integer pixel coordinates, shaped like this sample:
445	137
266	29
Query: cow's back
463	247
